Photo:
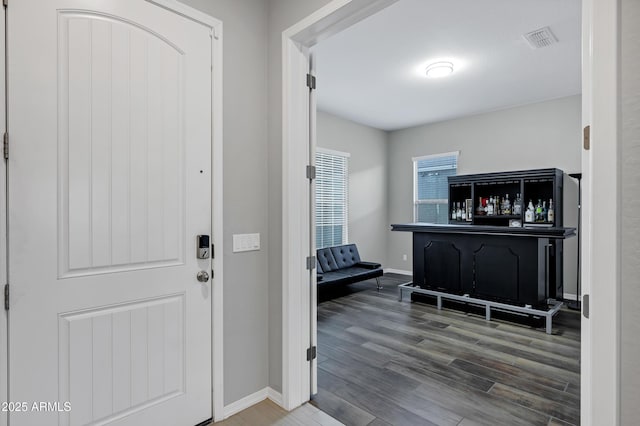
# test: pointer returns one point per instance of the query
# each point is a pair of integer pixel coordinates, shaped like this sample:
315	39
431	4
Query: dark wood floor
386	362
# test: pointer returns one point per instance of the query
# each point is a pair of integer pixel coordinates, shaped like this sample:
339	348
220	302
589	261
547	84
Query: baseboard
244	403
569	296
251	400
397	271
275	396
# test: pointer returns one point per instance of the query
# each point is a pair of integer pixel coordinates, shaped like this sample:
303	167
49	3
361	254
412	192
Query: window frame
418	202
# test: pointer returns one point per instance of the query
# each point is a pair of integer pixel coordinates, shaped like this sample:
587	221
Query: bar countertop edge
525	231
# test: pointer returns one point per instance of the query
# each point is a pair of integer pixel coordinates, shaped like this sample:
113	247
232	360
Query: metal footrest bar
554	307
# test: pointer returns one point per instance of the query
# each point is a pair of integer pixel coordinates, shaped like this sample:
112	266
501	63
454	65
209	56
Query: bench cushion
345	256
326	260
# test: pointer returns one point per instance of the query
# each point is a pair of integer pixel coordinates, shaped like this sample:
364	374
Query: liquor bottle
550	213
497	206
529	214
538	213
459	213
517	205
506	205
453	211
469	211
544	211
480	209
490	207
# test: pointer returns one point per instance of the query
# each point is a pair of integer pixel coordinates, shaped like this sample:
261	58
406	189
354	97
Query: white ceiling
373	73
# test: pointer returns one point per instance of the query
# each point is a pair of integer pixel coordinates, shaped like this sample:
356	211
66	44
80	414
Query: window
332	188
430	187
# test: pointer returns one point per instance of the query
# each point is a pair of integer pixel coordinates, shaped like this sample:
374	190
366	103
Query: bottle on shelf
497	206
545	211
469	211
459	213
550	212
538	214
506	205
517	205
490	207
529	214
453	211
480	209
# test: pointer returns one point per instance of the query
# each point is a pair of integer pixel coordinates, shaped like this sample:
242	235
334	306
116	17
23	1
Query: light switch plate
246	242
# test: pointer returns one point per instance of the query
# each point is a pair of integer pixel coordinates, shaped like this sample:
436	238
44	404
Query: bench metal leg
379	286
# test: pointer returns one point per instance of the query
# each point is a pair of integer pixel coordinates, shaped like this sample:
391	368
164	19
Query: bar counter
513	265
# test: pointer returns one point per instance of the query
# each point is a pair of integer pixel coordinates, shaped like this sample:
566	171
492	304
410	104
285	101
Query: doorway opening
336	17
379	340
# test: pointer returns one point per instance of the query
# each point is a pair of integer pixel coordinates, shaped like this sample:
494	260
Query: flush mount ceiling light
439	69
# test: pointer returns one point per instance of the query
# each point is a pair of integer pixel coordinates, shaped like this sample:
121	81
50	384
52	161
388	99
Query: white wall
542	135
245	191
368	222
630	203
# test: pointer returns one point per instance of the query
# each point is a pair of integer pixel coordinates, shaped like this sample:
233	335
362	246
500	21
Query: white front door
109	184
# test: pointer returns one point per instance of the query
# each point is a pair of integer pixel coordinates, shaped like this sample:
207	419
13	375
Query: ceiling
373	73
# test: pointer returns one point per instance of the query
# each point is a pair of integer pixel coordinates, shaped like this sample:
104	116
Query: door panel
121	202
109	184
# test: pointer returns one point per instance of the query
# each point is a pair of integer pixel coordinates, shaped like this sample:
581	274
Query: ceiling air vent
542	37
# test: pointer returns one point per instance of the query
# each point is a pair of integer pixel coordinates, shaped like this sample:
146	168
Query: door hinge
585	305
311	263
586	133
312	353
6	297
213	251
5	148
311	81
311	172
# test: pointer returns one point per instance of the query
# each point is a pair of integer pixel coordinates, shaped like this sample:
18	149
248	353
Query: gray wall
282	15
245	191
368	222
546	134
630	244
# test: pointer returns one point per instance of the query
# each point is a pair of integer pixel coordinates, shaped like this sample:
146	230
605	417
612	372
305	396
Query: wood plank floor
384	362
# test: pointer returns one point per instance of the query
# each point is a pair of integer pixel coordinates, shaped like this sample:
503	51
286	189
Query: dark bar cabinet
493	248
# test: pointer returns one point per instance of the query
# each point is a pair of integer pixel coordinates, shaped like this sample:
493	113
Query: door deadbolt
203	276
203	247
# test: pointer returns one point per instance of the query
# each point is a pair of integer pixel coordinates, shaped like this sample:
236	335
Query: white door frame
217	220
600	384
600	206
296	312
4	339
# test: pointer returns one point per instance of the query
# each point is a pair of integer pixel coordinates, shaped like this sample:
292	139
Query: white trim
251	400
274	396
567	297
190	13
430	156
296	221
246	402
4	341
333	152
601	210
217	282
397	271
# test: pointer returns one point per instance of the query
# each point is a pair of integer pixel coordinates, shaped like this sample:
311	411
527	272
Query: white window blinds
332	189
431	189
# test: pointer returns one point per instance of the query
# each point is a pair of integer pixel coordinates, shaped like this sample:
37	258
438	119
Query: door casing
600	346
216	29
